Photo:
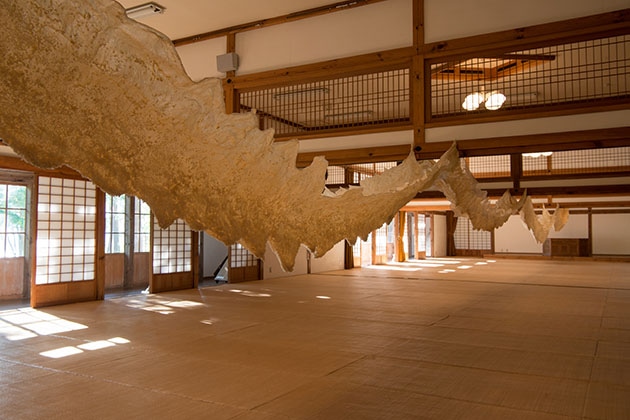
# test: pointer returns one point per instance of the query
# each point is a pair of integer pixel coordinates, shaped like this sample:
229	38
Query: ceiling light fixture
492	101
144	10
473	101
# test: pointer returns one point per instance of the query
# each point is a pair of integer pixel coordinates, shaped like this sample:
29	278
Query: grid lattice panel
367	99
335	175
172	248
356	248
467	238
12	220
421	226
581	72
381	240
356	173
488	166
590	161
114	224
142	226
66	230
241	257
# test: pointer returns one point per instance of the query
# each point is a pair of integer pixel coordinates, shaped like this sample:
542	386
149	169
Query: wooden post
99	269
417	77
516	171
130	227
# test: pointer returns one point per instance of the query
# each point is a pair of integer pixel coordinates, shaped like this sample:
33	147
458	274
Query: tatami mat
433	339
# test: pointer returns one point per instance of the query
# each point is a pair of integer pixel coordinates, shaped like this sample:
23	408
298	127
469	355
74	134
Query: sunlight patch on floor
23	323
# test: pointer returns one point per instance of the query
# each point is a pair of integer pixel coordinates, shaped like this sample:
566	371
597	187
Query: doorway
15	234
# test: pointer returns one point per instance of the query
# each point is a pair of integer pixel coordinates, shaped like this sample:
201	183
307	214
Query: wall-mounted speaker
227	62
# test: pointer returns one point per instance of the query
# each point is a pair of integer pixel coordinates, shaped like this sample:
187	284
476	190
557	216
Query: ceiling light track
145	10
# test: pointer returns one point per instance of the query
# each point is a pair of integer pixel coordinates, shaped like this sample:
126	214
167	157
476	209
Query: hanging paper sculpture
84	86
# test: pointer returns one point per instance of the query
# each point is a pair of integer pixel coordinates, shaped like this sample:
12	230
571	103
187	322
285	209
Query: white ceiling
184	18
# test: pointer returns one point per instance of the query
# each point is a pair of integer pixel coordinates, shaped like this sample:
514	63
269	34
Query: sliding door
175	256
66	232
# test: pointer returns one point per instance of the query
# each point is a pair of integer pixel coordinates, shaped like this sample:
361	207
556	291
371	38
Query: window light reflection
162	306
23	323
89	346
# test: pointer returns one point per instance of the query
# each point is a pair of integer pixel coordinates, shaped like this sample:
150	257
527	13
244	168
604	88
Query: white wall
393	138
214	252
560	124
375	27
200	59
332	260
611	234
610	237
439	235
576	227
448	19
272	268
514	237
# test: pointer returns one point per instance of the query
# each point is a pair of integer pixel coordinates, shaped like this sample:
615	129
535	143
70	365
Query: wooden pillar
99	269
130	228
32	246
590	232
451	225
516	171
349	255
194	263
417	76
231	98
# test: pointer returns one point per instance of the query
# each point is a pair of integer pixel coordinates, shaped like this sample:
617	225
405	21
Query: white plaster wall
448	19
200	59
576	227
332	260
514	237
393	138
439	235
272	268
595	120
610	234
375	27
214	252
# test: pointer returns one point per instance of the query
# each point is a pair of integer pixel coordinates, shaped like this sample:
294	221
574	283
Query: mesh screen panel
66	230
363	100
172	248
589	161
572	73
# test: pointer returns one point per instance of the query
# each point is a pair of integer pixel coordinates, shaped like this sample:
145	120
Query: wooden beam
516	170
569	140
417	75
230	47
619	190
350	156
605	24
15	163
383	60
264	23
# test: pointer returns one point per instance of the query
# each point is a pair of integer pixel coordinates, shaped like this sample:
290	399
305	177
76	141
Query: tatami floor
438	339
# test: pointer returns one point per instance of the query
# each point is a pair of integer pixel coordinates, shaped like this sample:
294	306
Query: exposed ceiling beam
555	191
570	140
262	23
365	155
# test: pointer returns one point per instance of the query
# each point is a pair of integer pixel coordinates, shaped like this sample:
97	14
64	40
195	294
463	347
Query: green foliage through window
12	220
